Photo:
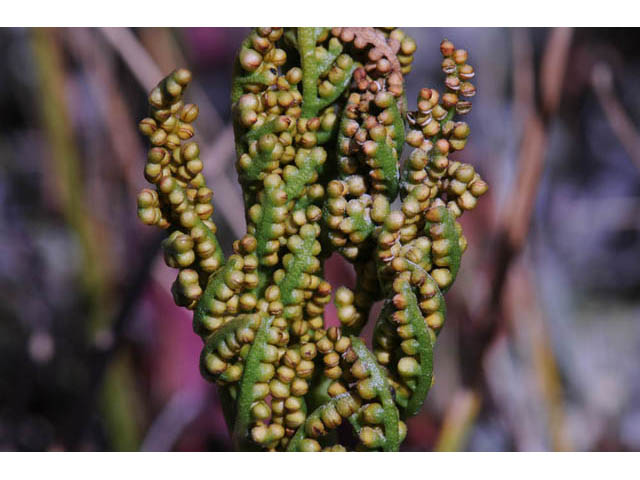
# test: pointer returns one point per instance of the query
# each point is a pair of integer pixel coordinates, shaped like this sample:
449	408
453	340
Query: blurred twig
524	78
134	55
515	224
182	408
621	124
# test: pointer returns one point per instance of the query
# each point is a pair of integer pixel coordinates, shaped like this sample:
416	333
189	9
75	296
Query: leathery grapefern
321	120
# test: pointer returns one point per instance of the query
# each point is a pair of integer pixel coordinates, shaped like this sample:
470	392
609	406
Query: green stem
425	351
301	433
306	47
383	390
451	234
202	309
250	376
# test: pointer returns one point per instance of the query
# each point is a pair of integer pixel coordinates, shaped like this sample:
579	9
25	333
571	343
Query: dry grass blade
621	124
134	55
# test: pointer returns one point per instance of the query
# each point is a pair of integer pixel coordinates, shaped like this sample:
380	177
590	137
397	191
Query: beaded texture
321	121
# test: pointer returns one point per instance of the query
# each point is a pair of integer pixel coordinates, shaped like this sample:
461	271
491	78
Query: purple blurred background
541	347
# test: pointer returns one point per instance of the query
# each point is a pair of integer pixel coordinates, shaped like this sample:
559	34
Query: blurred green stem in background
458	422
65	171
118	397
120	404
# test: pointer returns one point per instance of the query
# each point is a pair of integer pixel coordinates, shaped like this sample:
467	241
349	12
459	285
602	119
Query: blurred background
542	345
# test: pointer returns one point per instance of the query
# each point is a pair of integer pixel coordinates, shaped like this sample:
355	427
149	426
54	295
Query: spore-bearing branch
320	120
